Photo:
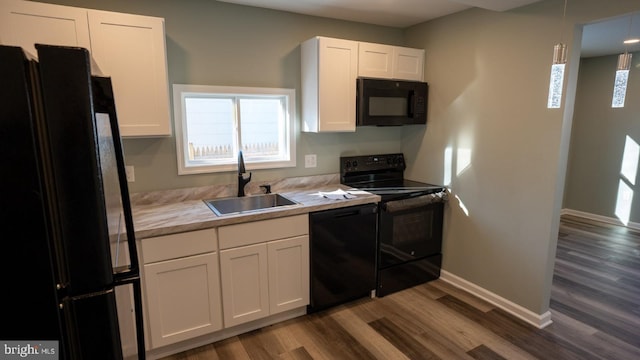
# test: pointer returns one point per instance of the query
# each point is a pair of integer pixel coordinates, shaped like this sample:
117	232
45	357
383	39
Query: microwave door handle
411	103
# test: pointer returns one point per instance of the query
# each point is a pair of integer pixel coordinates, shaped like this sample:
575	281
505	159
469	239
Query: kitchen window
213	123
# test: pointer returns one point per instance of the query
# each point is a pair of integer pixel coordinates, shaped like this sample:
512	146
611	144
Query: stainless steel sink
236	205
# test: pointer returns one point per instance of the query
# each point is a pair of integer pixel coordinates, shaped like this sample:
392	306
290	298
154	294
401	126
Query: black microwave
383	102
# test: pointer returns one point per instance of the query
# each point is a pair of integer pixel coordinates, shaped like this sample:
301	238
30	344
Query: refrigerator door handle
131	274
119	239
104	85
133	270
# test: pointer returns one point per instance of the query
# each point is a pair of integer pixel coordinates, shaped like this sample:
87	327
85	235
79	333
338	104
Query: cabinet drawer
262	231
178	245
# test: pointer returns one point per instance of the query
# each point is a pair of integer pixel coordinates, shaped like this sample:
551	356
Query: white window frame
181	91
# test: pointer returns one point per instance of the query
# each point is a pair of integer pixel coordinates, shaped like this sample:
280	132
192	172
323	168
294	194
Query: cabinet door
25	23
288	273
183	298
329	72
131	50
375	60
337	89
126	319
245	284
408	63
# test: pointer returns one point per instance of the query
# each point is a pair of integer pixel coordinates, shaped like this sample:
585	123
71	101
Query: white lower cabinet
288	273
205	282
245	283
182	294
269	273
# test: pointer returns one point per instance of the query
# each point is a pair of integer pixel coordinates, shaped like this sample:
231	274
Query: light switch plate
310	161
131	174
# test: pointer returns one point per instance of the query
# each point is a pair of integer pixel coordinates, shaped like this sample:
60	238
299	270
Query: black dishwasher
343	255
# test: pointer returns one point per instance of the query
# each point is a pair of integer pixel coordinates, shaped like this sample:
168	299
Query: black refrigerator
70	271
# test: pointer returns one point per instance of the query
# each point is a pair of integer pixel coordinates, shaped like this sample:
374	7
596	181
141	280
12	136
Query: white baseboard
600	218
538	320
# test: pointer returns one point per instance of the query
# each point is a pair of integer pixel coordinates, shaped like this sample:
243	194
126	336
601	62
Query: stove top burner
396	193
382	175
382	190
393	187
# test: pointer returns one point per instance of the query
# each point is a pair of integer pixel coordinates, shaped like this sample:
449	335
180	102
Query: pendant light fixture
622	73
556	81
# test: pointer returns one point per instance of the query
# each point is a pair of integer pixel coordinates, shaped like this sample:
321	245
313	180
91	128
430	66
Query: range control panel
371	163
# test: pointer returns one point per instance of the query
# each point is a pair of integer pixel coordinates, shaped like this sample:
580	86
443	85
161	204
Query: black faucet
241	179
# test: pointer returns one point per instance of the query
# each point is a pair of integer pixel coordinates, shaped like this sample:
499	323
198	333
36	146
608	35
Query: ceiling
599	38
606	37
395	13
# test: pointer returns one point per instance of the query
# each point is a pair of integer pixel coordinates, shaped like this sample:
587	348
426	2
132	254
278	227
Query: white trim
600	218
538	320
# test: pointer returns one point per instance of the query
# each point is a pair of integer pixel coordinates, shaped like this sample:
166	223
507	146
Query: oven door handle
415	202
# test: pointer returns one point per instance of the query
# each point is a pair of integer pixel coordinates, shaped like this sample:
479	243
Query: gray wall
214	43
598	138
488	75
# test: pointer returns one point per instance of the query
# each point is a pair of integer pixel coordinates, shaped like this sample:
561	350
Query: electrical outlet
310	161
131	174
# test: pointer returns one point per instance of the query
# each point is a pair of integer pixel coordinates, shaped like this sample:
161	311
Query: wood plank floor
595	305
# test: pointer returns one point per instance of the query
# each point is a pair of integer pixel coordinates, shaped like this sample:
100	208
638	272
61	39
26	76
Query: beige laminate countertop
155	220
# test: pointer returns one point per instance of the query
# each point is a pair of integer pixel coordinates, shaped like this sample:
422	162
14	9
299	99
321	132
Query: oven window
409	229
410	234
387	106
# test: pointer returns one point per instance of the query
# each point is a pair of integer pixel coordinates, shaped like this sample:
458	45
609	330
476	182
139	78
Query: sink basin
236	205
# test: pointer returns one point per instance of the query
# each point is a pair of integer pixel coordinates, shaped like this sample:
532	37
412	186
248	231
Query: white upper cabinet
390	62
131	50
329	72
128	48
375	60
25	23
330	68
408	63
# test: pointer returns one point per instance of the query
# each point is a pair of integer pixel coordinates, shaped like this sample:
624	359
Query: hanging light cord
626	45
560	49
564	15
624	60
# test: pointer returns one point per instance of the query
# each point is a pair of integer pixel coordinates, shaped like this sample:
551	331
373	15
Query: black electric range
410	220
